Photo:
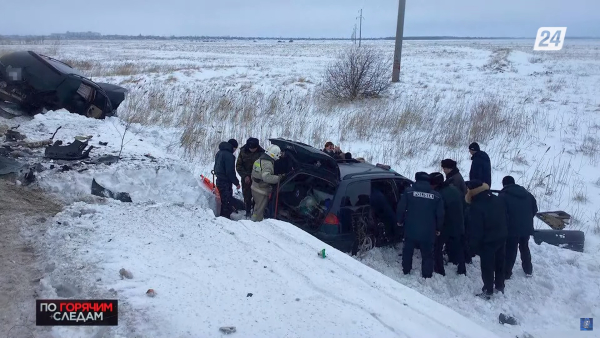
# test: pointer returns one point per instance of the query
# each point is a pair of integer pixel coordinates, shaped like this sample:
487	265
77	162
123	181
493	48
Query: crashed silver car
31	83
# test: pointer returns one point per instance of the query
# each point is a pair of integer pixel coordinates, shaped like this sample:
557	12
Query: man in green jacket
249	153
263	177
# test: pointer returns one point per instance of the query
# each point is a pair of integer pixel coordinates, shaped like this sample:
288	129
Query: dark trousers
492	265
454	248
226	193
426	254
247	192
522	243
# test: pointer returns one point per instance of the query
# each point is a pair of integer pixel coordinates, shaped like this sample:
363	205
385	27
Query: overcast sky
300	18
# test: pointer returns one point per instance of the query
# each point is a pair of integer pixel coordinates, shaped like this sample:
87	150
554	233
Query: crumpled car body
36	82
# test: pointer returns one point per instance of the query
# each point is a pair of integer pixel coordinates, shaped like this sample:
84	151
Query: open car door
310	159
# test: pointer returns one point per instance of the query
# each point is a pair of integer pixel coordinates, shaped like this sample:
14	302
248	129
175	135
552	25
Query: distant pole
360	29
399	38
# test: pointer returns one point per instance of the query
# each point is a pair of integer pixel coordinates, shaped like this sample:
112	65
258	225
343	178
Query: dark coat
521	208
481	168
454	221
246	160
487	217
456	179
225	164
421	210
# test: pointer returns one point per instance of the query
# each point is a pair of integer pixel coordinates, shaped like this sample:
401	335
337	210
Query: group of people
256	167
467	219
439	212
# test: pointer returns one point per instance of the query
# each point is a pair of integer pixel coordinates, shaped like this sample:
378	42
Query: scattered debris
322	253
99	190
103	143
249	295
151	293
8	166
227	329
73	151
125	274
506	319
557	220
13	136
297	299
36	144
83	138
29	177
150	156
107	159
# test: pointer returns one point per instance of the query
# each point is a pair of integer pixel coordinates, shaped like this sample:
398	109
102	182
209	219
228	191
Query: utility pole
399	39
354	34
360	28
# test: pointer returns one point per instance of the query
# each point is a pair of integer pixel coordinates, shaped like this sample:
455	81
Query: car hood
116	94
309	158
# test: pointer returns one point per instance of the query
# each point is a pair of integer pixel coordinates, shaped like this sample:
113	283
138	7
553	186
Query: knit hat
436	178
252	143
474	146
508	180
422	176
473	184
233	142
448	163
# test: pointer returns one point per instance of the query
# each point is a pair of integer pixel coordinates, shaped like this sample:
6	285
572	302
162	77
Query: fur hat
448	163
474	146
233	142
436	178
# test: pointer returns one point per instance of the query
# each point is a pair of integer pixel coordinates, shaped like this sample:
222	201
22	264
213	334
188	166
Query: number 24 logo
556	35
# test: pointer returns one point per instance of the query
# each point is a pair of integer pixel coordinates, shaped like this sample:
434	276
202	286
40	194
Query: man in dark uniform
421	212
453	228
225	173
455	178
487	218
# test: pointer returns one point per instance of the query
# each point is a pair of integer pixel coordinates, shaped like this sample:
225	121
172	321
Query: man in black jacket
521	208
421	212
455	178
487	218
453	228
225	173
453	175
481	167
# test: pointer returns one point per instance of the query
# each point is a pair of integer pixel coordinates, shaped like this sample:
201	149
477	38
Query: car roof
353	169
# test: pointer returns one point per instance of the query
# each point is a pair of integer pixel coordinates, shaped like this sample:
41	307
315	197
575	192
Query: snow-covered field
536	114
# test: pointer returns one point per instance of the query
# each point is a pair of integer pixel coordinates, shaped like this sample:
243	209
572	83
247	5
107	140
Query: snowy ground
543	130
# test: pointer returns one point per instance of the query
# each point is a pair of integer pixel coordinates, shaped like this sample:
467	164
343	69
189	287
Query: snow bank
265	279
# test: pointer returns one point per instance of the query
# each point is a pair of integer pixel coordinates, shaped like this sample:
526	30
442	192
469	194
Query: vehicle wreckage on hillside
31	82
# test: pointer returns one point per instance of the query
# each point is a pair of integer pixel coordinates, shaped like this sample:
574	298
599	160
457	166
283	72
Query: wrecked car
333	199
34	82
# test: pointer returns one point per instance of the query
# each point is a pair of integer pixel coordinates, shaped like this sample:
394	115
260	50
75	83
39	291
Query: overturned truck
31	82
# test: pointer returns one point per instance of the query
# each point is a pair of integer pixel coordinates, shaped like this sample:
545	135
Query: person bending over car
263	178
